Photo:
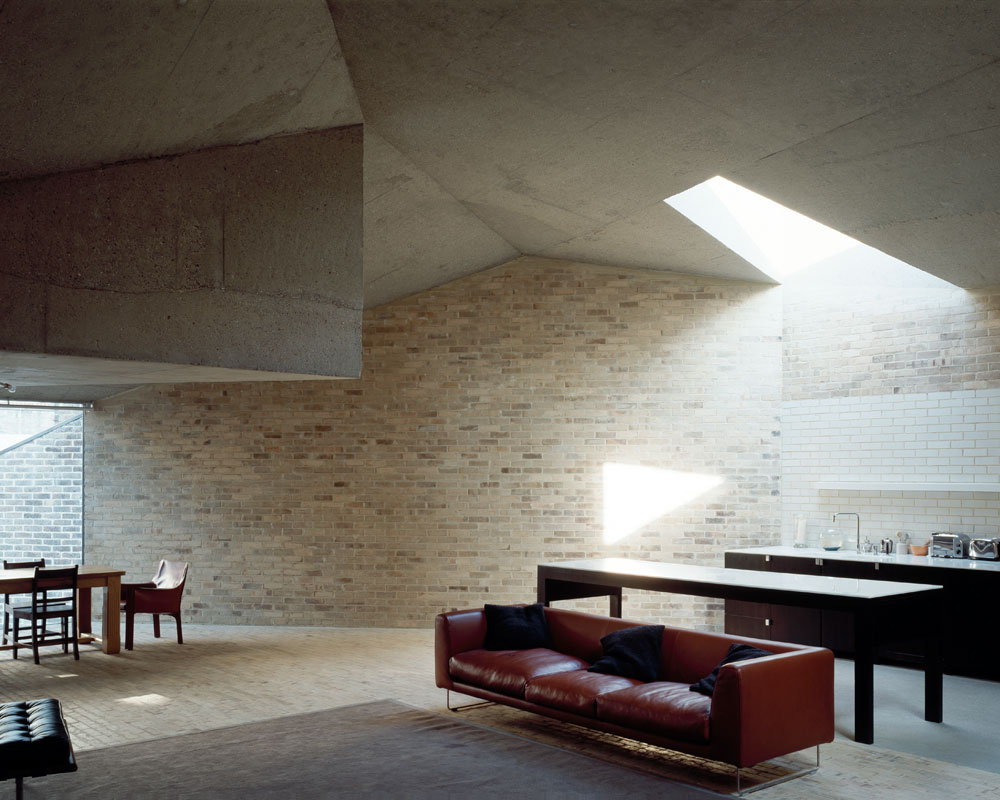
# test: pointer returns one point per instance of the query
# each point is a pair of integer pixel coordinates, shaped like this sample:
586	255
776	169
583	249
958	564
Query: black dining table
883	611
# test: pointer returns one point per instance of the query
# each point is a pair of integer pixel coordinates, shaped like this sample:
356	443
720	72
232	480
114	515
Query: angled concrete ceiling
560	125
500	128
107	81
127	267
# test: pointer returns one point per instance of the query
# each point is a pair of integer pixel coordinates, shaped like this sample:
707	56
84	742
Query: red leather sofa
762	708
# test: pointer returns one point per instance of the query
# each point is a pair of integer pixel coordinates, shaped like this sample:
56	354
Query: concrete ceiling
560	126
107	81
499	128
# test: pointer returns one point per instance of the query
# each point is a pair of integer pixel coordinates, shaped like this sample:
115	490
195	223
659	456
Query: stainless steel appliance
949	545
886	546
988	549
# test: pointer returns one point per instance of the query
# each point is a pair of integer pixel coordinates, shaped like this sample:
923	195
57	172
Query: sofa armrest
766	707
456	632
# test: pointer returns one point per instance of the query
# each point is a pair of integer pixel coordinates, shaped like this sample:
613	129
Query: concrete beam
239	258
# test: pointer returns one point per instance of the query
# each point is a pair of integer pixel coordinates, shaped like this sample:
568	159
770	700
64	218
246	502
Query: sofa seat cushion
574	691
508	671
670	709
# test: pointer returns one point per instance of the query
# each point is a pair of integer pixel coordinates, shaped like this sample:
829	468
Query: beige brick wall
470	450
861	340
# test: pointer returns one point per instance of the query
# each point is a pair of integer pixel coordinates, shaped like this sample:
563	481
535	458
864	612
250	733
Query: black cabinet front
968	647
790	623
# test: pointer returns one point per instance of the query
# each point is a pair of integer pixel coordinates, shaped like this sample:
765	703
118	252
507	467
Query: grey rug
381	749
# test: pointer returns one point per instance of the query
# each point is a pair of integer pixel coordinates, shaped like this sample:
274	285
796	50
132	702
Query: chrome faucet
857	518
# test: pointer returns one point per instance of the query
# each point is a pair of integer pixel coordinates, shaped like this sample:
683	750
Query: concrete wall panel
243	257
274	334
294	218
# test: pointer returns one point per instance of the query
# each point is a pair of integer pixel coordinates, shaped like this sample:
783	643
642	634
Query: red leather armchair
162	595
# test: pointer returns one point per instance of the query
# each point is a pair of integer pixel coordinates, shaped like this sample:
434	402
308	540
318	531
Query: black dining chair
44	608
19	600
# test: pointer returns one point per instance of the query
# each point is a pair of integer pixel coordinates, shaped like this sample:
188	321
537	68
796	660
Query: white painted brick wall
899	387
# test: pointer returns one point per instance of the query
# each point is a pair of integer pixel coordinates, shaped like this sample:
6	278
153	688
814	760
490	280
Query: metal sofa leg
468	705
791	776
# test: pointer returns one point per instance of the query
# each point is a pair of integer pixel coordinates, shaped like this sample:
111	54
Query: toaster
985	548
950	545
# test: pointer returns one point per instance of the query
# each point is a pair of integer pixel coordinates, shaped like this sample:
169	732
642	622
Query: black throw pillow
516	627
737	652
632	653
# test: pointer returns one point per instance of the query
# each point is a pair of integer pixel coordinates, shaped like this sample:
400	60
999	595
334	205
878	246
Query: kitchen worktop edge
872	558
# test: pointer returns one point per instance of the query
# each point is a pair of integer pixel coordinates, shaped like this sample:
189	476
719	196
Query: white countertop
874	558
720	576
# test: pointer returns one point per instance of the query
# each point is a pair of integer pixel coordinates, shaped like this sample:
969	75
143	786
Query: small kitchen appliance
949	545
988	549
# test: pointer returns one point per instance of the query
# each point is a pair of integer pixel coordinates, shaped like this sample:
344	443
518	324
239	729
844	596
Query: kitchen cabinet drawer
793	624
835	568
776	622
797	625
747	561
754	627
758	612
743	608
838	626
795	565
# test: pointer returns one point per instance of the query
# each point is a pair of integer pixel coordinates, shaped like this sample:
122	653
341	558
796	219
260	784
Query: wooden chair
162	595
8	604
44	608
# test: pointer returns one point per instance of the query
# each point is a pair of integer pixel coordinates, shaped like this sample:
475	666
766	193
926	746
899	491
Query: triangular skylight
781	242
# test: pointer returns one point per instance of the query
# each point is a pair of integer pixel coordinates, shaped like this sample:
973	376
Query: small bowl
918	549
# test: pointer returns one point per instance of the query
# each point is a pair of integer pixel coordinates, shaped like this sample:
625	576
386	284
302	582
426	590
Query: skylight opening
781	242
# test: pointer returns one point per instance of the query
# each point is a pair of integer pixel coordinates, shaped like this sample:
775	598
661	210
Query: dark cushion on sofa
632	653
508	671
574	691
661	707
737	652
516	627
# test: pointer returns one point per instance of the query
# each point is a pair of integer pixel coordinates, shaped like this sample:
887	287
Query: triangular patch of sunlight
145	700
635	496
781	242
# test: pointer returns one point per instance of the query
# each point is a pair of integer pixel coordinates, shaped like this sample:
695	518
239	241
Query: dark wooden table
883	611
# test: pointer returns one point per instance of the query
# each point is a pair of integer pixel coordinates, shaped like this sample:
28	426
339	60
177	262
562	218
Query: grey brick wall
41	496
471	449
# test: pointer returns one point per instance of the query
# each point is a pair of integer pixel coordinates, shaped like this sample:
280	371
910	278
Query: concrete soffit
162	269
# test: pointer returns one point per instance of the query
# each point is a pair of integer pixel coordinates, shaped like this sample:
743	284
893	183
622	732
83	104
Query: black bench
34	741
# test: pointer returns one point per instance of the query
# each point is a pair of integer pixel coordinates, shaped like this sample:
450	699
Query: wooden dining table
18	581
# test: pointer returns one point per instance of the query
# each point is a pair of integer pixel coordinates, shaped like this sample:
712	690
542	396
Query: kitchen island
968	603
